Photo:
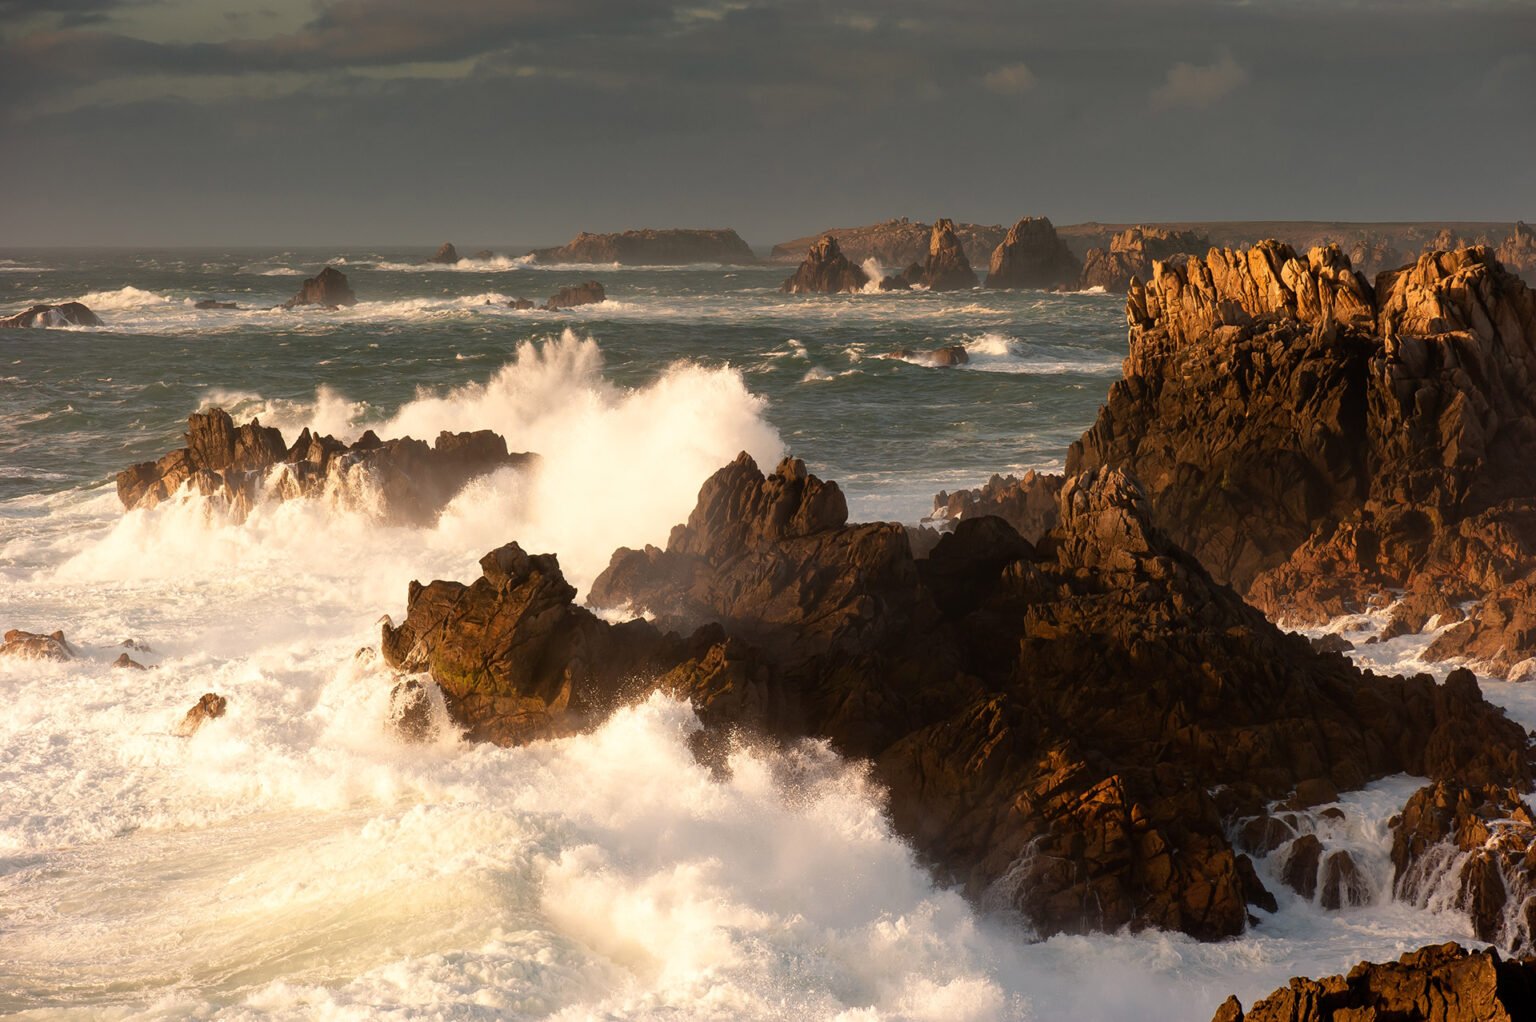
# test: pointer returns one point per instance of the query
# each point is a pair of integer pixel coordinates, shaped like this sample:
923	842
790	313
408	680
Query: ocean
294	860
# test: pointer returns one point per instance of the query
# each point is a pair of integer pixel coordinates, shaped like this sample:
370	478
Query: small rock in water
126	661
209	303
210	707
521	303
410	712
1332	643
586	293
67	314
33	646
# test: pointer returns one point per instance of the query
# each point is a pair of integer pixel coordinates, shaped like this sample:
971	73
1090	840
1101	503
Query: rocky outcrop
328	289
210	707
588	292
947	357
1027	504
446	254
1518	252
1319	443
1471	848
1062	726
67	314
1032	256
1132	252
900	242
673	247
947	269
1445	983
406	480
825	271
33	646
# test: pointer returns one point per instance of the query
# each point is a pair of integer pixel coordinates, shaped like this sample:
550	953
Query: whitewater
294	859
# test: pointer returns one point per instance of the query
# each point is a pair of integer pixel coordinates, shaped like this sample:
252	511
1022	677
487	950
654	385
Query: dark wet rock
1445	983
1319	443
586	293
826	270
1264	833
328	289
1314	791
210	707
66	314
946	357
1343	885
671	247
1032	256
410	712
899	242
1254	891
1132	252
446	254
1063	727
209	303
905	280
947	268
1472	848
1302	859
128	663
522	303
242	465
1332	643
1028	504
35	646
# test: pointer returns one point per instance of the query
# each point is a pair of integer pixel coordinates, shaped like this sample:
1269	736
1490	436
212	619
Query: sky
298	122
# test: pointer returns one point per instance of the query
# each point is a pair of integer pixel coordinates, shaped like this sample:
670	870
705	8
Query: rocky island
670	247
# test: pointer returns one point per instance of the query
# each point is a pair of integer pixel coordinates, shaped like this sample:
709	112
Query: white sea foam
127	298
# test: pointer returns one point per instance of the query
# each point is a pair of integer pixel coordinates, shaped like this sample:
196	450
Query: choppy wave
128	298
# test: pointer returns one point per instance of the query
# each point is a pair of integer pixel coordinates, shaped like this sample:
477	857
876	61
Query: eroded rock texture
1033	256
947	268
403	480
825	270
1437	984
328	289
1063	726
1319	443
1132	252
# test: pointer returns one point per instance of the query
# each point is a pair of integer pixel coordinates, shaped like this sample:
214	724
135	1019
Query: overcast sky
292	122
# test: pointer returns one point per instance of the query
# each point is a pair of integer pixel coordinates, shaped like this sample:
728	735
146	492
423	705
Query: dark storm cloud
781	117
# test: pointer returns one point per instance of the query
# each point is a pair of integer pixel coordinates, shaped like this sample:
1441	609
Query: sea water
294	860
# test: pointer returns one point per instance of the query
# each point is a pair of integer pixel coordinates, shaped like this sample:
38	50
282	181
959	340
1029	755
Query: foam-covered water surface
293	859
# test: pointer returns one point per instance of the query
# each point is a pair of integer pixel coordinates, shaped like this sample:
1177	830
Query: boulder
328	289
522	304
942	358
825	271
34	646
408	480
1032	256
1132	252
587	293
209	303
210	707
66	314
671	247
947	268
126	662
1063	727
1445	984
446	254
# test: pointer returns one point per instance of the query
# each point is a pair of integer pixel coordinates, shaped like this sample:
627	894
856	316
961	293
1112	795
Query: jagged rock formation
900	242
672	247
1518	252
947	269
825	271
328	289
1473	848
1318	443
33	646
67	314
210	707
1436	984
446	254
1132	252
586	293
1031	255
410	480
1028	504
903	281
1062	726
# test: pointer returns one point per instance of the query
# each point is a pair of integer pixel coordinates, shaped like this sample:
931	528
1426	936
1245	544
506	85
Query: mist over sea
295	860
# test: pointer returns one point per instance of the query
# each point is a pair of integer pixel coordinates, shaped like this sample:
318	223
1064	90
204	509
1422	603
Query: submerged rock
209	303
409	480
1033	256
210	707
1445	984
34	646
446	254
66	314
825	271
328	289
947	268
1320	443
1062	726
587	293
671	247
